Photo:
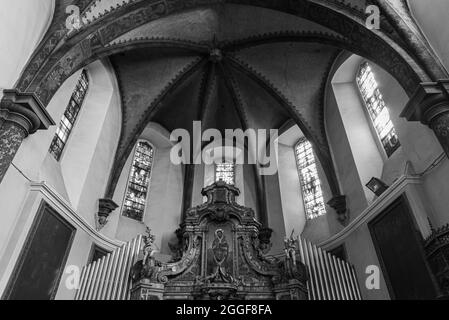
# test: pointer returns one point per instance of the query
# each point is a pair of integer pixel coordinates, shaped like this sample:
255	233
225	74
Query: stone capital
429	101
25	110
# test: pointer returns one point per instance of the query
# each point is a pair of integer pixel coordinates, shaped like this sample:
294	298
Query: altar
222	255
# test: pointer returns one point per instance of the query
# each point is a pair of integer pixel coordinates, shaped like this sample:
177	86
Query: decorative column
146	290
430	106
21	114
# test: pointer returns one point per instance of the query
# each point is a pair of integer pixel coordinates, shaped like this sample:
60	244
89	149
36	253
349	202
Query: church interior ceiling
214	65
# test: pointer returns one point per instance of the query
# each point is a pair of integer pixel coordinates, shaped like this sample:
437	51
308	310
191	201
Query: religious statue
146	266
220	249
293	269
290	247
149	247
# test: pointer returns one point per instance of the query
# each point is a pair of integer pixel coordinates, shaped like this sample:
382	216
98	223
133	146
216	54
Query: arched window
310	182
225	171
377	109
69	118
139	182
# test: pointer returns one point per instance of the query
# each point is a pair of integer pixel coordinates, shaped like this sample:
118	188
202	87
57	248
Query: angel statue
149	248
290	247
147	263
293	269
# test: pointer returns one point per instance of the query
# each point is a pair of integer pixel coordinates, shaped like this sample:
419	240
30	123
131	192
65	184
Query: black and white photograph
250	152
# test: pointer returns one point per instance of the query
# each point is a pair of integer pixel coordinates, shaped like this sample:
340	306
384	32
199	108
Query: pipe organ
108	278
221	255
330	278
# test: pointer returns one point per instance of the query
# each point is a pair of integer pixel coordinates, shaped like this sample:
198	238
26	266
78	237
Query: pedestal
145	290
293	290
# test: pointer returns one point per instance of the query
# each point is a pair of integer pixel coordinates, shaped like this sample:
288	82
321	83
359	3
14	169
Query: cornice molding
26	110
63	207
429	100
372	211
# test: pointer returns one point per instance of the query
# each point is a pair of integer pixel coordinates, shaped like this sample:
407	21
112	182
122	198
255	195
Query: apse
223	150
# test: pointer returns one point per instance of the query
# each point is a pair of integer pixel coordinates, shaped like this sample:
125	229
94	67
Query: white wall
20	39
365	150
164	202
76	183
86	161
431	16
293	211
419	148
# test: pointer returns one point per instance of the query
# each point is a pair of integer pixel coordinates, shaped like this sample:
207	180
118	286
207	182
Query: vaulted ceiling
213	69
217	67
229	63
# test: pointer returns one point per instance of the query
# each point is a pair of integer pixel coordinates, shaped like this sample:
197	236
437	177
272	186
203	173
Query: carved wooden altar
221	256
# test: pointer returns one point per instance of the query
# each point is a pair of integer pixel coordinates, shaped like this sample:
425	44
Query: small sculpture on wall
339	204
105	208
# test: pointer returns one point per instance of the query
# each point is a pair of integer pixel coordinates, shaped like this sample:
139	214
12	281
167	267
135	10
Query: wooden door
40	266
399	247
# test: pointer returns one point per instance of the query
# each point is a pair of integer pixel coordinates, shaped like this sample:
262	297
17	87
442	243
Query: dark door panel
43	257
401	254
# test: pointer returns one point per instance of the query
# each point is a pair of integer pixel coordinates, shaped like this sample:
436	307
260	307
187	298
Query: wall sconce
377	186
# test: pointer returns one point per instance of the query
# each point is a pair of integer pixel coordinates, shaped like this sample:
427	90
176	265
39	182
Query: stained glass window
139	182
377	109
225	171
69	118
310	182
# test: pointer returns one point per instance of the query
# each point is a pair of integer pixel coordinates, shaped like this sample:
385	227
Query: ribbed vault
229	63
257	88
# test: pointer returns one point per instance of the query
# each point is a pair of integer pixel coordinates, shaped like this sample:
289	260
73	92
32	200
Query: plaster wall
292	203
432	19
97	130
43	167
20	39
343	158
419	149
164	202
